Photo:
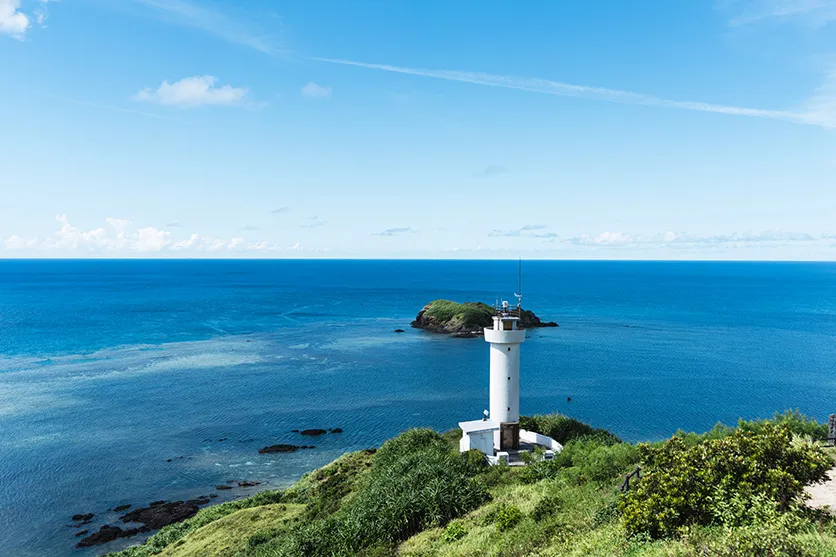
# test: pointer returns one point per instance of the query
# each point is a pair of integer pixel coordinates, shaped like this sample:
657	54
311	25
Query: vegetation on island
734	491
466	319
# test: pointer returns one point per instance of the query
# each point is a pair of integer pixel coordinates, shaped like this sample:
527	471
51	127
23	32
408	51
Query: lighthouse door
509	436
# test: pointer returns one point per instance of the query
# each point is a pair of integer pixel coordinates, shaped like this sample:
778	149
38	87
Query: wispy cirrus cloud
394	231
214	22
280	210
191	92
526	231
491	170
809	12
315	222
313	91
814	112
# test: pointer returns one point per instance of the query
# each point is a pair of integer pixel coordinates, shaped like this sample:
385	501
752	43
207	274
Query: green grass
416	496
469	315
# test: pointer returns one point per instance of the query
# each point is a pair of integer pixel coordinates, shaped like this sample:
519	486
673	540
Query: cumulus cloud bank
670	238
120	237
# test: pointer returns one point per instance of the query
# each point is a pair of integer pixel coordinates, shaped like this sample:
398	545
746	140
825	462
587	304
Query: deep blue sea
110	368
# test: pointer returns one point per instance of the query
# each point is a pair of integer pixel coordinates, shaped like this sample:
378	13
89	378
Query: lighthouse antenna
518	294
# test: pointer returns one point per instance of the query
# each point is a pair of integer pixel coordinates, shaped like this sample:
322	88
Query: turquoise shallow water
110	368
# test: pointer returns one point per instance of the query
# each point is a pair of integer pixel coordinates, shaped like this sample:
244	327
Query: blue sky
594	129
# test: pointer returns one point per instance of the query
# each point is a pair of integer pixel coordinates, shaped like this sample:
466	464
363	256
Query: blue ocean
124	382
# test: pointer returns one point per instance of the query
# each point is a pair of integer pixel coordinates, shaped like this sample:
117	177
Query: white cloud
191	92
603	239
120	238
151	239
16	242
682	239
805	115
211	21
12	21
525	231
394	231
812	12
42	12
314	91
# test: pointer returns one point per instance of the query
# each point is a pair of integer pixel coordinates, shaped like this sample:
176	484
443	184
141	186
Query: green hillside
729	492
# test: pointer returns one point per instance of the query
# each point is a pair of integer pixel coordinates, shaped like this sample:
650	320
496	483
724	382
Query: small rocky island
467	320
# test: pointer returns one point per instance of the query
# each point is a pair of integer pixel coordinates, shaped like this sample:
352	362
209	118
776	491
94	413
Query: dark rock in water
336	430
247	483
104	535
169	460
313	432
81	533
223	487
121	508
222	439
110	533
399	331
87	516
568	399
156	503
157	516
213	496
200	501
282	448
294	431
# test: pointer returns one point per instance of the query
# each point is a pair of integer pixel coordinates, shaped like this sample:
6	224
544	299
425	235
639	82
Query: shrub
507	516
564	429
454	531
546	507
798	423
732	480
416	482
542	470
600	462
594	458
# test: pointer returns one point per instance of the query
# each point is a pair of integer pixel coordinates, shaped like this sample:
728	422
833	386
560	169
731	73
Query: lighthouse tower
505	338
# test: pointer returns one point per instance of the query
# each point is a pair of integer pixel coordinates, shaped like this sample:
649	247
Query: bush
506	517
416	482
595	460
542	470
798	423
546	507
564	429
454	531
600	462
731	481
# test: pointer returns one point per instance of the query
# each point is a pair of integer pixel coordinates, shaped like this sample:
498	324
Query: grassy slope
570	512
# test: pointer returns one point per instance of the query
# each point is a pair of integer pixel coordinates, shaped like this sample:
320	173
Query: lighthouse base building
498	434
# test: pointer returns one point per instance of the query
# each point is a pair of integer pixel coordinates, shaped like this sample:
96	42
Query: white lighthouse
505	338
498	434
